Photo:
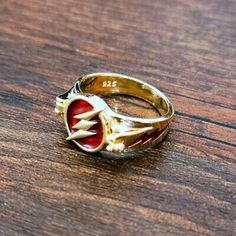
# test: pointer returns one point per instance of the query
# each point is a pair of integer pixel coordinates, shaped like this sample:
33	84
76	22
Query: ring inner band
119	84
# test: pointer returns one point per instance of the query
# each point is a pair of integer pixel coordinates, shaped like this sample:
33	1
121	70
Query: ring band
93	126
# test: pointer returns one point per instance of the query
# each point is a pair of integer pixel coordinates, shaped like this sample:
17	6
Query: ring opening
105	84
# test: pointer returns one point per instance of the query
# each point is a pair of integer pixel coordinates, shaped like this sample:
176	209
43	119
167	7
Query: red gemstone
78	107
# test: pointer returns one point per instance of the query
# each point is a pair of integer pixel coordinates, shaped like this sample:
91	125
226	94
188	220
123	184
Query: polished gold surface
122	133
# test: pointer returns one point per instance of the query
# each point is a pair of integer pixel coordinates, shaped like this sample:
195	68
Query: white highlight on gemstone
80	134
87	115
84	124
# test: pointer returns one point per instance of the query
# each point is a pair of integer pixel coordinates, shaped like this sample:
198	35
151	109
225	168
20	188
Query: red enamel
82	106
145	137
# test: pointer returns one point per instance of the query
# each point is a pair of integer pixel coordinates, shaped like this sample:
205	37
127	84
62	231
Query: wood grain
184	186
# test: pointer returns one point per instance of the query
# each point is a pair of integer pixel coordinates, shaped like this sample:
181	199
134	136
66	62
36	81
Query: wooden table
186	185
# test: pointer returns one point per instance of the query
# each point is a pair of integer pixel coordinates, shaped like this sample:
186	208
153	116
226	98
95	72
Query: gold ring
93	126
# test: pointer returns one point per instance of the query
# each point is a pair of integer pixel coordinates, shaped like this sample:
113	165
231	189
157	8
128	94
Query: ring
93	126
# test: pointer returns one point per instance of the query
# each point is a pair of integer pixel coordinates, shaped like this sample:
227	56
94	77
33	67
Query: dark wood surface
184	186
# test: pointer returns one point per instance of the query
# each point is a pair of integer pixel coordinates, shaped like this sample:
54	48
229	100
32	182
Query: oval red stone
78	107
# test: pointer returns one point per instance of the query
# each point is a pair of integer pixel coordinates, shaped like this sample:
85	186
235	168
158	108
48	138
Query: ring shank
110	83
